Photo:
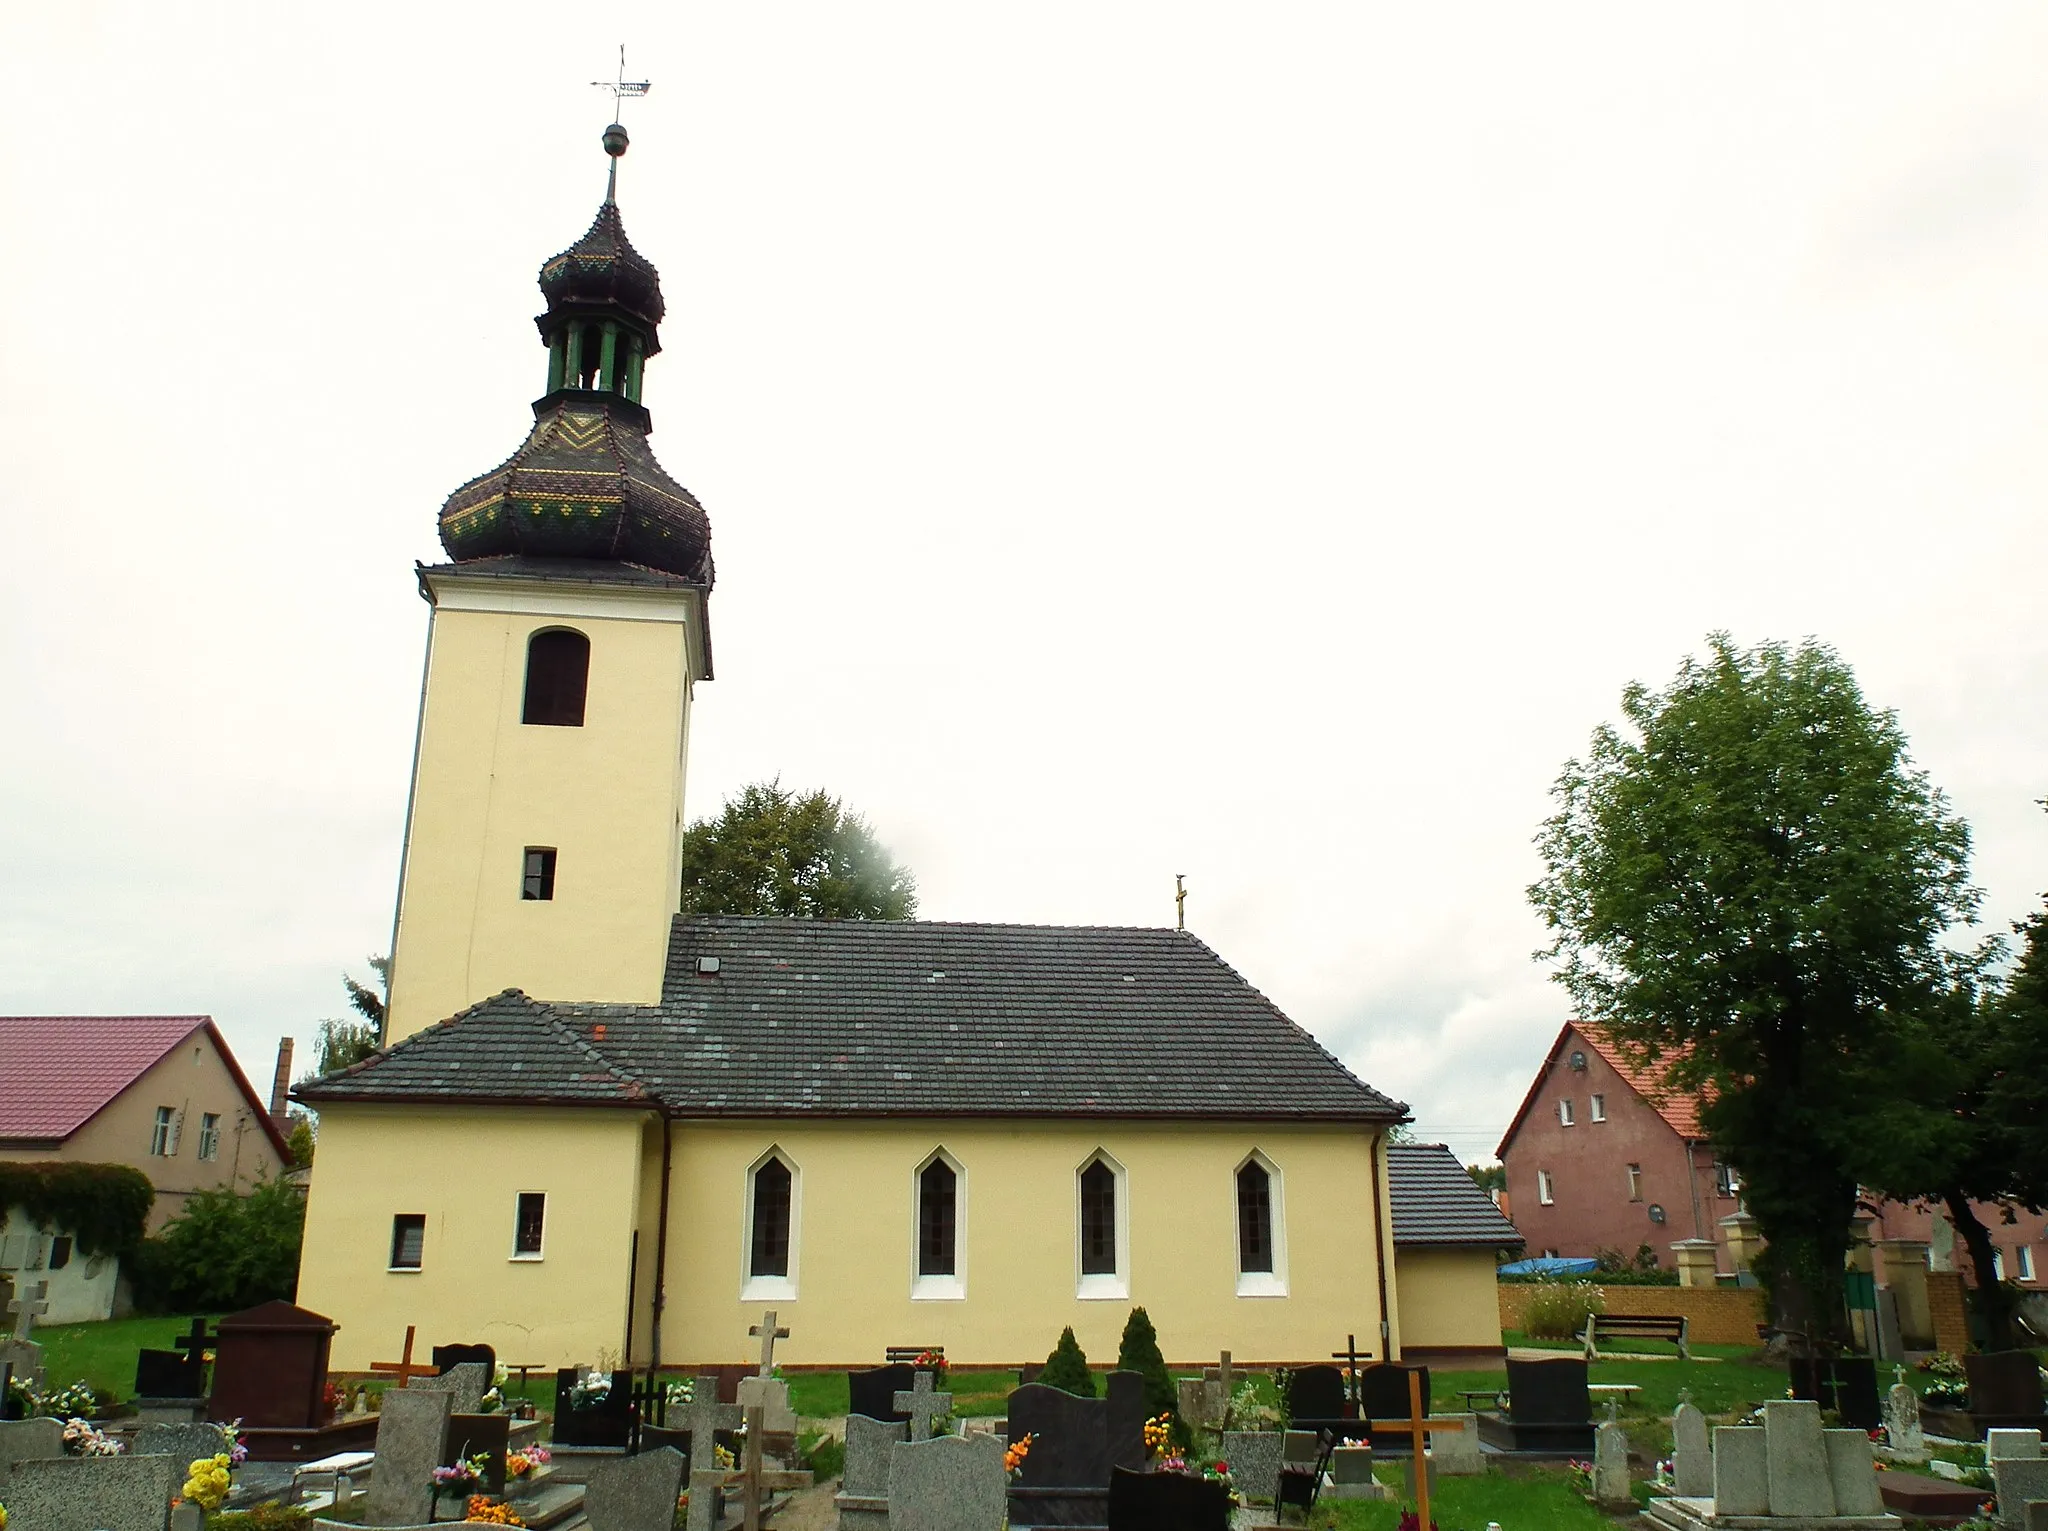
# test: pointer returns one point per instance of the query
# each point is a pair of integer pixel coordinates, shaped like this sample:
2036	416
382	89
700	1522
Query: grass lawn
1622	1345
976	1395
1718	1387
103	1354
1525	1499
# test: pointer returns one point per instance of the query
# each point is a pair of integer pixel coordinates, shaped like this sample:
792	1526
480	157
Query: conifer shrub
1139	1352
1067	1367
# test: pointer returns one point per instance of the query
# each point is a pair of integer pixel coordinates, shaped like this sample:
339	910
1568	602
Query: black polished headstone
1316	1401
447	1357
482	1435
1076	1443
1383	1394
873	1393
608	1422
2005	1390
1845	1384
1550	1413
1166	1502
169	1374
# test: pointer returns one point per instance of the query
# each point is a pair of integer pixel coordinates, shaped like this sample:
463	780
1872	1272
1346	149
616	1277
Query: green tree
1067	1367
301	1140
1752	886
775	852
1138	1351
370	1002
225	1251
1488	1177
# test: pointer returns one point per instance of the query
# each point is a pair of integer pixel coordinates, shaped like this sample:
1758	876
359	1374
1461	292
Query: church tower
567	633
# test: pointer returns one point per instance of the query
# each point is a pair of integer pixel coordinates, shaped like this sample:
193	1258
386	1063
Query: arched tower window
557	676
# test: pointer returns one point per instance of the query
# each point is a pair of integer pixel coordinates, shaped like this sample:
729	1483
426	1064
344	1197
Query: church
602	1131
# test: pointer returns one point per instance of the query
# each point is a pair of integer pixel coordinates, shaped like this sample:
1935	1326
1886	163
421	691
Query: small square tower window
539	882
408	1240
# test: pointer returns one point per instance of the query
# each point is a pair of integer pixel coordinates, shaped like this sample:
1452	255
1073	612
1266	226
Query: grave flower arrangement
521	1464
1158	1435
1411	1520
1015	1453
459	1479
83	1439
74	1401
490	1512
933	1361
3	1517
1950	1388
207	1480
678	1394
591	1389
492	1401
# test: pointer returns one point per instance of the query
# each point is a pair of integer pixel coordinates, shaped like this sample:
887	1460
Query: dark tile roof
505	1048
589	571
1437	1203
901	1018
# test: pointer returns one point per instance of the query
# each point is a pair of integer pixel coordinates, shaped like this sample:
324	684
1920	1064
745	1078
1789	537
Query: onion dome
584	483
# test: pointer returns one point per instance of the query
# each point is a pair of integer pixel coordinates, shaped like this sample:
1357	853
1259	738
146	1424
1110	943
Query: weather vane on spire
623	88
615	139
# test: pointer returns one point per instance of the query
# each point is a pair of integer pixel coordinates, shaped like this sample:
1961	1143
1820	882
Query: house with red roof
160	1092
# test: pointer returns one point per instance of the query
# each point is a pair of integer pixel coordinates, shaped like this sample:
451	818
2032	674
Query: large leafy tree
772	851
1751	884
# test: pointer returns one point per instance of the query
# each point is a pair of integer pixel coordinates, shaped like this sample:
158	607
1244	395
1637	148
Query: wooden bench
1635	1326
906	1355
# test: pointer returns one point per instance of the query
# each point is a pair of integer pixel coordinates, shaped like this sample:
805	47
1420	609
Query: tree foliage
1488	1177
225	1251
301	1140
1752	885
775	852
369	1002
1067	1367
1138	1351
103	1206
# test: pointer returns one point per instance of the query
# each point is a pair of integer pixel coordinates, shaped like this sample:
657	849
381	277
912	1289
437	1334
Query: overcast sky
1258	442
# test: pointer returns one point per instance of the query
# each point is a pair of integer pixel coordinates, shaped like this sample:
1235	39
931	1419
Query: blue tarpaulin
1556	1265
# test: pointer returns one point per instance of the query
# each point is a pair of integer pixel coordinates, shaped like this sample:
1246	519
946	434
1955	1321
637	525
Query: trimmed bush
1067	1367
1139	1352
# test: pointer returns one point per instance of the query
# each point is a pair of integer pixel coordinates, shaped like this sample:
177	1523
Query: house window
163	1138
1725	1182
60	1252
1598	1109
2023	1256
209	1135
1635	1182
529	1225
1544	1187
539	877
1104	1220
1998	1263
1564	1112
408	1240
557	676
1261	1228
771	1248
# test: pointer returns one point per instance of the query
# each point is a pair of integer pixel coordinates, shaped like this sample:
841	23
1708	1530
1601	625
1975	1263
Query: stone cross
404	1369
703	1417
1418	1427
768	1334
31	1305
924	1406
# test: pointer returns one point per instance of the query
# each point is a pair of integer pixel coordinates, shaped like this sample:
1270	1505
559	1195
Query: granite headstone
863	1498
2020	1481
184	1443
1903	1435
1165	1502
637	1493
948	1483
1692	1457
27	1440
465	1383
1742	1471
1798	1459
412	1440
93	1494
1852	1473
1610	1467
1254	1458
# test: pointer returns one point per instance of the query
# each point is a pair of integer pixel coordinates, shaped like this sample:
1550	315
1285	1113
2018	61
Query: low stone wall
1717	1315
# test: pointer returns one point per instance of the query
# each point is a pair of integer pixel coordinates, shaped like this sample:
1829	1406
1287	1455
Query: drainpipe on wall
1379	1236
660	1294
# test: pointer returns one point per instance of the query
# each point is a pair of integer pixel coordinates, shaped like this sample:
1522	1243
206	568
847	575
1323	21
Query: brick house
1600	1157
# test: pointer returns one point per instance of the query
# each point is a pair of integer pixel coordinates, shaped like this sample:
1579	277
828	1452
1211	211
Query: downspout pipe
1379	1235
660	1294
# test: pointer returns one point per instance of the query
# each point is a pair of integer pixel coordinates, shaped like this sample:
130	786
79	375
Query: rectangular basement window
538	883
529	1225
408	1240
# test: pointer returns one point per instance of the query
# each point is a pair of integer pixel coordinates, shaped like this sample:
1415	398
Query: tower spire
615	140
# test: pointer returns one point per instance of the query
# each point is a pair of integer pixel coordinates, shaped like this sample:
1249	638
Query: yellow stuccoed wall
1447	1298
607	796
1019	1239
463	1167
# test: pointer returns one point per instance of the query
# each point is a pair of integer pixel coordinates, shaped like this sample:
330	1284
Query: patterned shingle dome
603	268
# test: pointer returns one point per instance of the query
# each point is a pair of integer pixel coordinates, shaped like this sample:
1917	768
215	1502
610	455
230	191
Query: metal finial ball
615	140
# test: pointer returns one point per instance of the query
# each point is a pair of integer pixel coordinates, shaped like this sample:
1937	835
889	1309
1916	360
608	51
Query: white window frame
541	1253
1635	1182
1546	1188
1272	1283
209	1135
1564	1110
2025	1252
951	1288
1998	1262
163	1133
1108	1286
1596	1109
755	1288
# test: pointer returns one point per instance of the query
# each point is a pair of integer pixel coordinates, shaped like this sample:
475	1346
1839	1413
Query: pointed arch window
774	1208
557	678
940	1267
1104	1234
1261	1228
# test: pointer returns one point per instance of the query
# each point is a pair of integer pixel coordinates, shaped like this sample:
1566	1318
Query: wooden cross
768	1335
31	1305
1418	1427
403	1370
924	1406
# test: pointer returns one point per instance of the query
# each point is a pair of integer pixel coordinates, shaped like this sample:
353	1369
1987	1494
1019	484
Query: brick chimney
280	1087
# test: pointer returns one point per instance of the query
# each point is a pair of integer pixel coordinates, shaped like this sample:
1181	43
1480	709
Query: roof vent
1578	1062
707	967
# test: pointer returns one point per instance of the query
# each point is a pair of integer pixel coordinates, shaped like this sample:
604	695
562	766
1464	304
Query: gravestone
1549	1409
606	1422
1254	1458
2005	1389
702	1418
482	1435
953	1481
270	1368
923	1406
863	1498
93	1494
24	1360
412	1440
1316	1401
184	1443
636	1493
1692	1458
873	1393
1206	1402
1065	1479
448	1357
465	1383
2011	1443
1351	1475
1798	1459
1383	1394
180	1373
1456	1453
1610	1467
1845	1384
27	1440
2019	1481
1742	1471
1165	1502
1852	1473
1903	1435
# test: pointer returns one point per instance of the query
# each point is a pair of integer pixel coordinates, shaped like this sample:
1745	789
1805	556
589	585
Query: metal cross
623	89
924	1406
402	1371
1180	901
1349	1356
195	1342
768	1334
31	1305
